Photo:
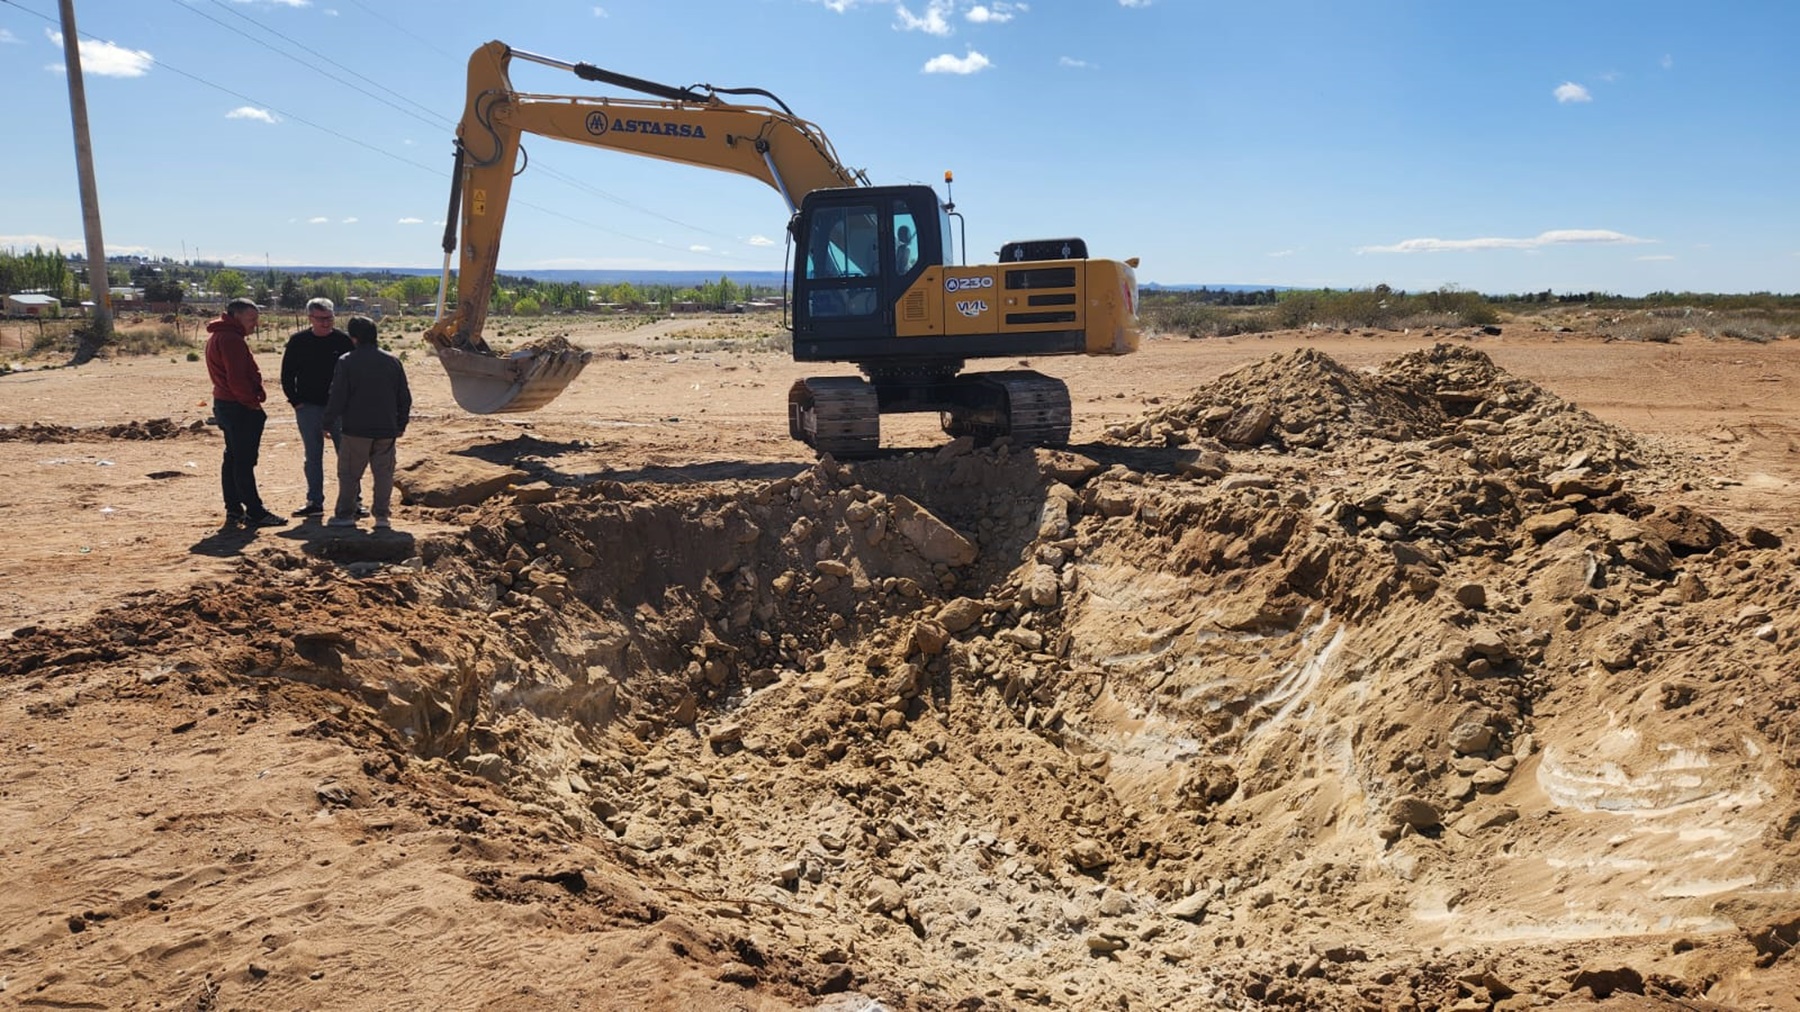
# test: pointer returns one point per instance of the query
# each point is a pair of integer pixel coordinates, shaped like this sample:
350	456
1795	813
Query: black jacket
369	392
307	365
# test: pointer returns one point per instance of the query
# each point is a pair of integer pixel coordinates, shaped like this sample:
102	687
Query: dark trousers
243	429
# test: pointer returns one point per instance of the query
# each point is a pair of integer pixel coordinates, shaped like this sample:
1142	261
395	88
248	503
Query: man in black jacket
306	368
370	399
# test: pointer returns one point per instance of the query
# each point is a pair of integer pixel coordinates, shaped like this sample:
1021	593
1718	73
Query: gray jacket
369	392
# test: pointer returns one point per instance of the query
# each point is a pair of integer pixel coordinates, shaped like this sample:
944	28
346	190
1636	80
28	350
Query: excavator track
1029	407
839	415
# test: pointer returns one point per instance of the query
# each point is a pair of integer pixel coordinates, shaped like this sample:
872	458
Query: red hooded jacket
235	376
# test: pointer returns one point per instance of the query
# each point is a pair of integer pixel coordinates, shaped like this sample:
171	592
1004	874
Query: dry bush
1663	325
1644	328
150	338
1203	320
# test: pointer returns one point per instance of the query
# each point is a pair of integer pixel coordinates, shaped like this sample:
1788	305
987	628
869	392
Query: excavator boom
693	126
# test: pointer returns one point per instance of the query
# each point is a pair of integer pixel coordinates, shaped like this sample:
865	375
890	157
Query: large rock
935	540
453	480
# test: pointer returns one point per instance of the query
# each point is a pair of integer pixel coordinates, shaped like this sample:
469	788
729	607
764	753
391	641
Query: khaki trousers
355	454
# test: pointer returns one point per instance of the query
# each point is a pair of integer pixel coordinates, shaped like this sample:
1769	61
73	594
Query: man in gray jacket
370	397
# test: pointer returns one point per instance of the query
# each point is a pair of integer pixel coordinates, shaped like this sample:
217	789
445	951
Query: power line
285	54
402	29
562	177
559	214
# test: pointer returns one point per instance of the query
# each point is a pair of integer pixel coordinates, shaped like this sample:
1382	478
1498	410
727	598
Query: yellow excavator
874	280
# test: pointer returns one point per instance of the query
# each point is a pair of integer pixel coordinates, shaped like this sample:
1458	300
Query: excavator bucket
524	380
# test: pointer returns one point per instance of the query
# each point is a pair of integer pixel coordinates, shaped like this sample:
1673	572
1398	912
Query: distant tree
36	271
163	290
527	306
229	283
416	288
331	287
290	297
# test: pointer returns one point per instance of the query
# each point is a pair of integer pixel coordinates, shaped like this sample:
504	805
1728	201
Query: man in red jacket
238	405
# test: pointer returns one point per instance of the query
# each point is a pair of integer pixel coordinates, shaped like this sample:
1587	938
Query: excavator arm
693	126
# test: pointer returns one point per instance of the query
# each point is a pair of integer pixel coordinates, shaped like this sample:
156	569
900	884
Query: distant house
29	304
374	307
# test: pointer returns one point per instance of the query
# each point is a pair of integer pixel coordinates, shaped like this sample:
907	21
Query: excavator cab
860	249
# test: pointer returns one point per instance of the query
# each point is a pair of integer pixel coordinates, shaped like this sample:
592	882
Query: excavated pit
1320	689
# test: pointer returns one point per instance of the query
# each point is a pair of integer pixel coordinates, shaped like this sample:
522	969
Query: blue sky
1570	145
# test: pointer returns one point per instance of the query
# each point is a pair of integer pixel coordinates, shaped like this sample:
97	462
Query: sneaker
381	524
362	511
341	522
234	517
264	519
311	509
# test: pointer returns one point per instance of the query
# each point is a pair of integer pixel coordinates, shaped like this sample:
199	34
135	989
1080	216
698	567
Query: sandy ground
641	707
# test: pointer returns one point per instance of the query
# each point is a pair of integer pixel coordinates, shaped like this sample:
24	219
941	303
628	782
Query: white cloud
1134	3
600	12
252	112
947	64
105	58
1070	61
349	221
997	13
278	3
699	249
935	20
1282	253
1668	62
410	221
760	240
26	243
1555	237
1569	91
838	6
6	36
318	220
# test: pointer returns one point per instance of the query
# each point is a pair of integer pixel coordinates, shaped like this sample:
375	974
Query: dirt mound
156	428
554	344
1352	715
1306	400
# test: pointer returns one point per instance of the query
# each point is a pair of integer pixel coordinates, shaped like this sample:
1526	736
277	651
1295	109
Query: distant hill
1152	286
682	279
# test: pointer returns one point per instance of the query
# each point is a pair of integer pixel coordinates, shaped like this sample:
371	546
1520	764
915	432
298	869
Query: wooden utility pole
99	283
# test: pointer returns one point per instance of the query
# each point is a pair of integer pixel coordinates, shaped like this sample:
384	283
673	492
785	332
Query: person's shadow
347	545
339	544
224	542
